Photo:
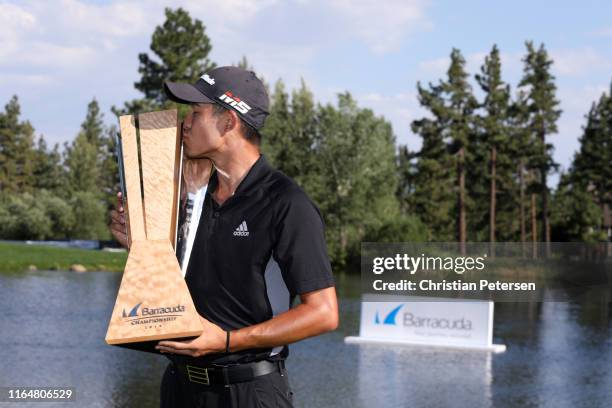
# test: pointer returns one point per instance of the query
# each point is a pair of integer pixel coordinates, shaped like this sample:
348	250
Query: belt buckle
198	375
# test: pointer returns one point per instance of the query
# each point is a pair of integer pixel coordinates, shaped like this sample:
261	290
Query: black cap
231	87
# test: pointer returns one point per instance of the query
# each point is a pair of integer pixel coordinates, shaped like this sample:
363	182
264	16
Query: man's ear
231	120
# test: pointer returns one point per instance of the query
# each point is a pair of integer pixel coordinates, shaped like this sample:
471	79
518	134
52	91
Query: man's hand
212	340
196	173
316	314
117	224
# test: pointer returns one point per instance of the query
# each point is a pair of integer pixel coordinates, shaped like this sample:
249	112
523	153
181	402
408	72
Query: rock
32	268
78	268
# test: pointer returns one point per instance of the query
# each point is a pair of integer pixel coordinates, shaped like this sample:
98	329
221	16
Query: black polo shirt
256	252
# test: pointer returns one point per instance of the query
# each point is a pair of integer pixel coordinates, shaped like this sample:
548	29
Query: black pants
266	391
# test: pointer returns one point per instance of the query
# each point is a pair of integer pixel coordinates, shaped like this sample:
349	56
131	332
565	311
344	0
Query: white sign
421	321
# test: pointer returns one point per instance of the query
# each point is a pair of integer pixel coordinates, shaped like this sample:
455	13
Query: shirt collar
259	169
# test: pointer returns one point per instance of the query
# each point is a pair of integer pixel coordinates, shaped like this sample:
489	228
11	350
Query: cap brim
185	93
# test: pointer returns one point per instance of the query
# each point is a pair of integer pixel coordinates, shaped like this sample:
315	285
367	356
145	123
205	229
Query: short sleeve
300	248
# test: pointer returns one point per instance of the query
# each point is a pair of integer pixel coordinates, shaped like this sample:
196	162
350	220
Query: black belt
228	374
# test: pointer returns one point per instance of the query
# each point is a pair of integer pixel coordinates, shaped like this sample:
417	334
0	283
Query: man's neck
231	170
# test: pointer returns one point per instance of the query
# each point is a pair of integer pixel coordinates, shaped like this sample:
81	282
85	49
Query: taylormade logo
235	102
242	230
208	79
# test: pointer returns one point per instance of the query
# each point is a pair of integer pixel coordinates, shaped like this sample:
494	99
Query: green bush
89	216
404	228
44	215
25	218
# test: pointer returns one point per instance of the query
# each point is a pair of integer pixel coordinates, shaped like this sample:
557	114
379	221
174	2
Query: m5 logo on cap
235	102
208	79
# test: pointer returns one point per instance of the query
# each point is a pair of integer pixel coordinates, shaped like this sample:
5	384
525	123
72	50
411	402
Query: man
259	243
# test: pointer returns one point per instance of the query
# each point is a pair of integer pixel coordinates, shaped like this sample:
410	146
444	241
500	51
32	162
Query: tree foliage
481	161
16	149
180	49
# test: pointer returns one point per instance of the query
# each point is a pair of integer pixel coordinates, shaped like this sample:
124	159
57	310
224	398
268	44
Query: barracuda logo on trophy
153	302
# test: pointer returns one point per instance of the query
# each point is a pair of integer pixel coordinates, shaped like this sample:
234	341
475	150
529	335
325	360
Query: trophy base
153	302
149	346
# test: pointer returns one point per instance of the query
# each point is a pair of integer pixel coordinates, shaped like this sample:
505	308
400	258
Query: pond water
559	354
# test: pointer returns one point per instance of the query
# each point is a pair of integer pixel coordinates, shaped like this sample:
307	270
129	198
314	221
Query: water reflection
423	377
559	354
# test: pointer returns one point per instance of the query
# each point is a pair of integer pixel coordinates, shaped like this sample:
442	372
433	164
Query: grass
18	258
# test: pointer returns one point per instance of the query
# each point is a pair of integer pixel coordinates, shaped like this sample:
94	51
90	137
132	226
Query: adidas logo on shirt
242	230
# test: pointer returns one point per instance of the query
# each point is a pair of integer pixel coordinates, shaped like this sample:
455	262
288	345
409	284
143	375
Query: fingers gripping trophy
153	302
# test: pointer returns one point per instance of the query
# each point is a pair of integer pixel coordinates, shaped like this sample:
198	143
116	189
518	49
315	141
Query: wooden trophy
153	302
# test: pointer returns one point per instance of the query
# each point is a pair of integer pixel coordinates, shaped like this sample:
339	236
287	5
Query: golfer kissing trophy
153	302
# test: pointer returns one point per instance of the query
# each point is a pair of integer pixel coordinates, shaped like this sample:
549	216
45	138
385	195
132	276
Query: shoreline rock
78	268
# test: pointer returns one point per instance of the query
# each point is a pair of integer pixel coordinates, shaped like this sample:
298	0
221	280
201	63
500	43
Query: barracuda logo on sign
153	315
409	319
390	319
426	321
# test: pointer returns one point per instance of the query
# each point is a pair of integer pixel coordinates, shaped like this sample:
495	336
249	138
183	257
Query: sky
57	55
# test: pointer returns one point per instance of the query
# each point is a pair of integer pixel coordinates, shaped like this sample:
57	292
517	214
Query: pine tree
16	150
592	166
576	216
543	111
180	47
494	135
434	173
84	158
590	176
523	152
459	111
93	126
81	161
47	170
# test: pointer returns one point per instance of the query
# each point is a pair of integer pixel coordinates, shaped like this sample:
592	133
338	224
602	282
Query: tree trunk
522	206
534	228
461	200
492	203
545	215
